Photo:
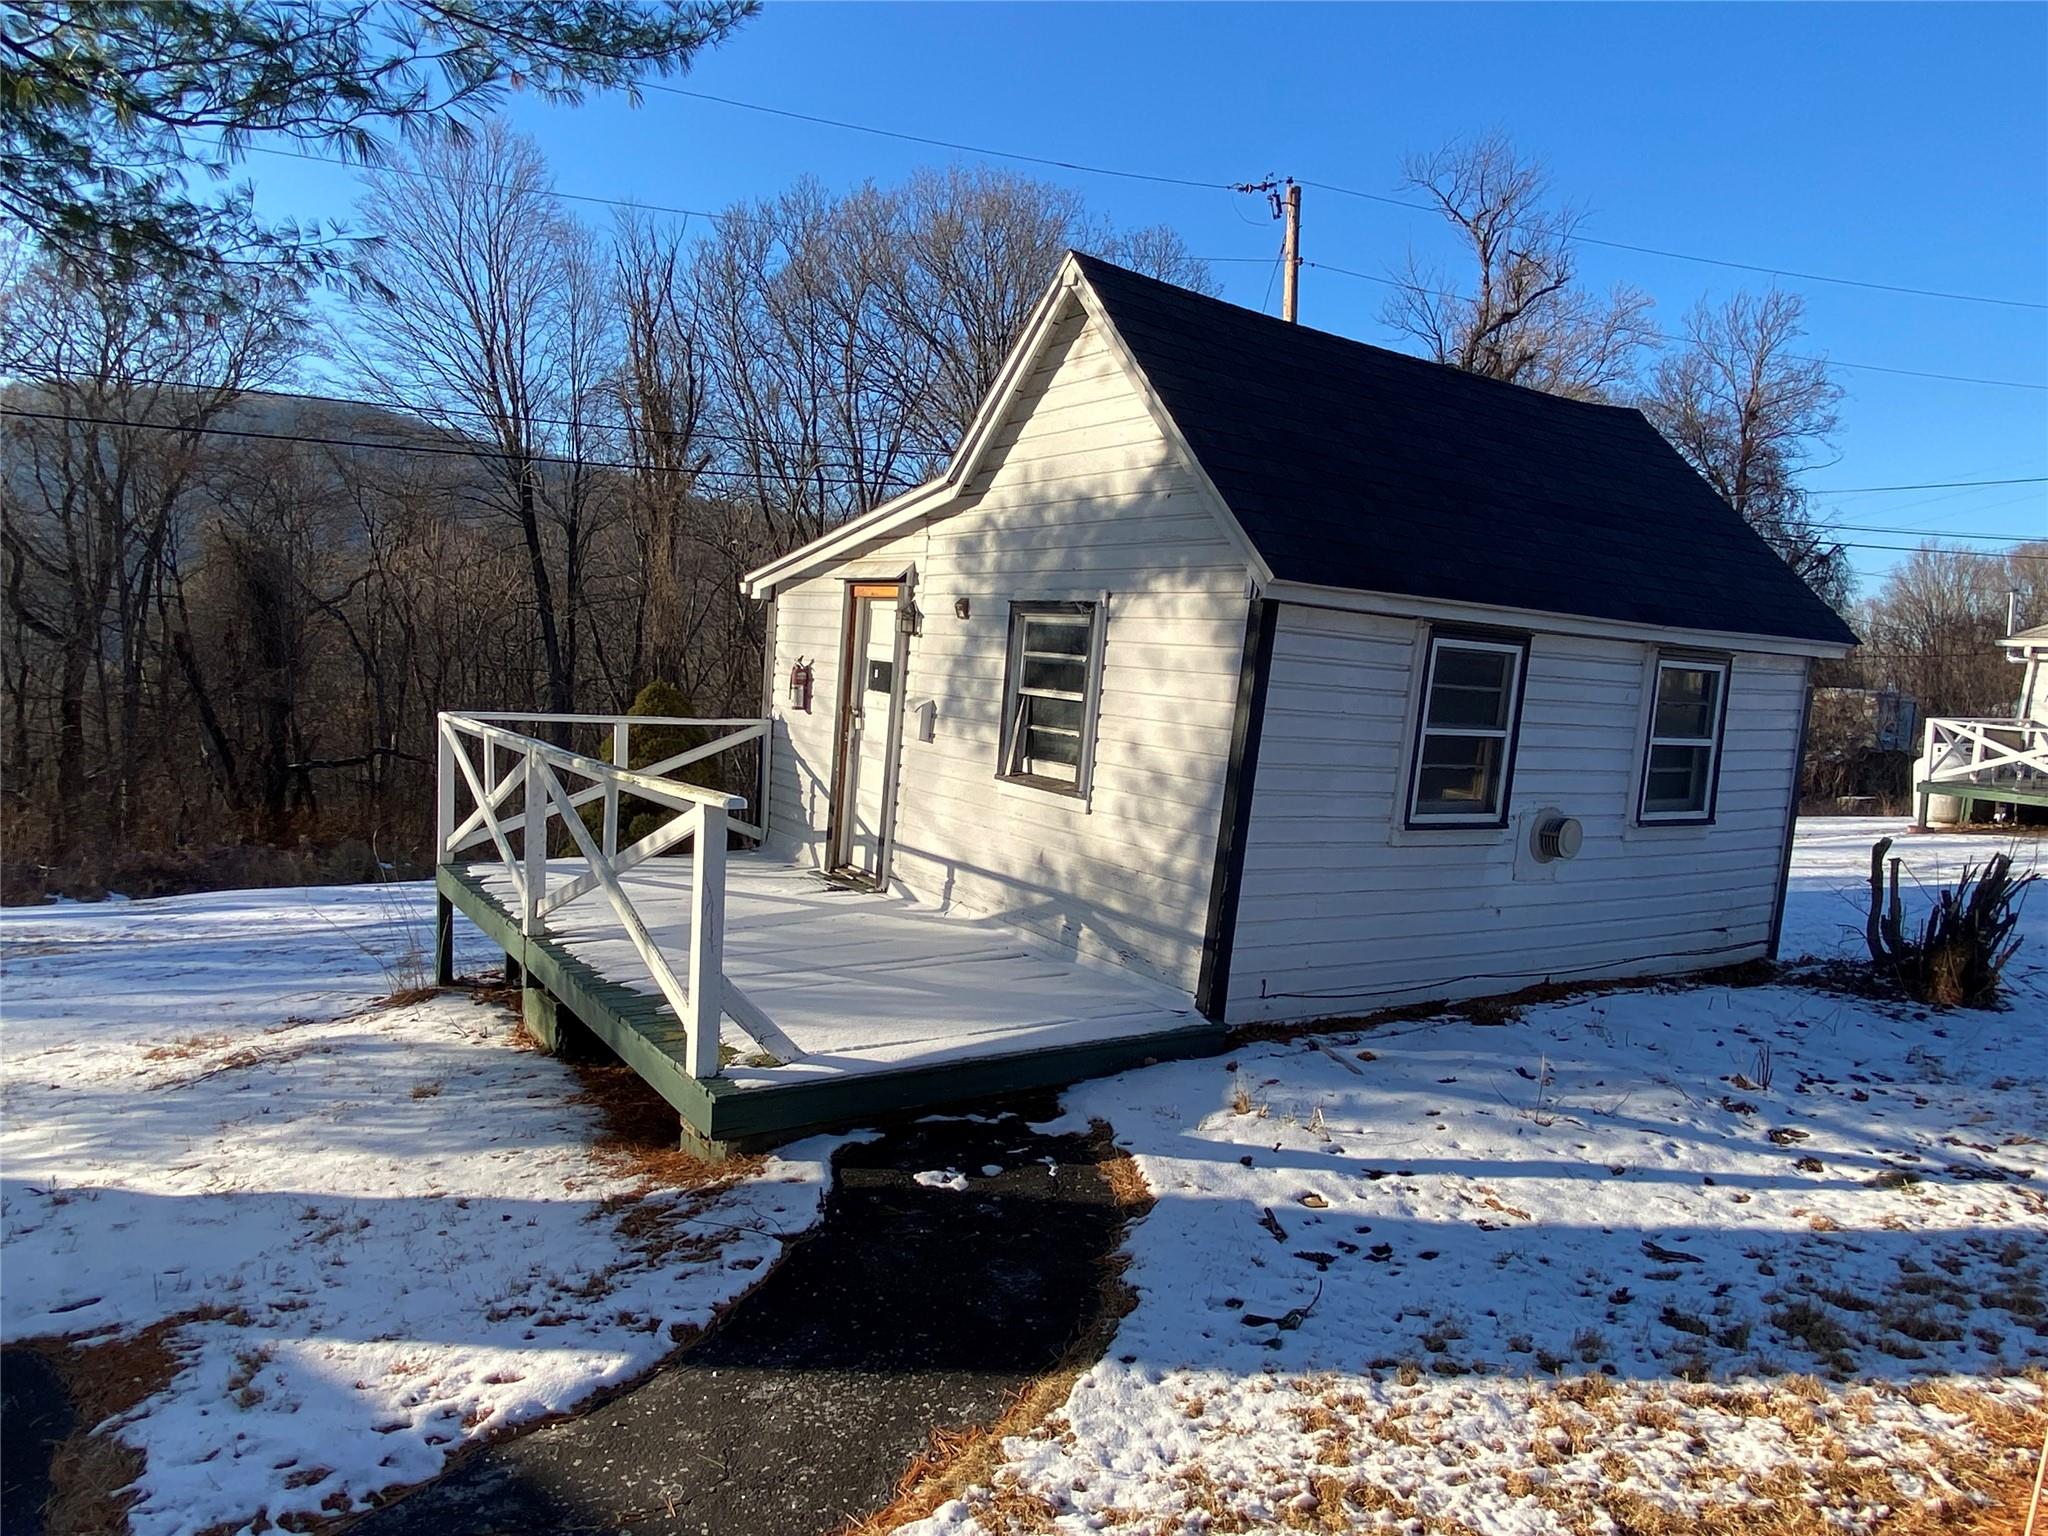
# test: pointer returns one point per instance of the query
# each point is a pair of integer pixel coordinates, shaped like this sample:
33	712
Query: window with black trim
1465	743
1681	760
1050	690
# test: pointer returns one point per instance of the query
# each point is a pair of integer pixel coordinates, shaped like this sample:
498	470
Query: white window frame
1723	668
1516	649
1008	765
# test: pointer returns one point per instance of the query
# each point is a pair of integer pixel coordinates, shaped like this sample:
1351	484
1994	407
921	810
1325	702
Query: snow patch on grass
1686	1257
386	1224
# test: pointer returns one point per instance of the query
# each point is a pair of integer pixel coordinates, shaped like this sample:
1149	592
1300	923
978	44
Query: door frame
852	685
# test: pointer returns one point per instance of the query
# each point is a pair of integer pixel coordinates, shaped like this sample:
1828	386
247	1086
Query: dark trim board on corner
1255	674
1791	809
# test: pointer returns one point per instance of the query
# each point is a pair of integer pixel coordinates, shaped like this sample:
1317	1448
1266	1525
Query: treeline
230	611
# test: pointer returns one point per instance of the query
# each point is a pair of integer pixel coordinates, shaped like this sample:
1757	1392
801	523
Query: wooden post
707	943
611	791
1290	263
536	851
444	794
444	941
771	677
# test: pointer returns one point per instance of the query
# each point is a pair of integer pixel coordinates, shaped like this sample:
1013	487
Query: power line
1925	485
395	169
1376	197
706	213
1714	261
2015	553
1832	362
1929	533
483	452
444	450
30	371
914	448
918	138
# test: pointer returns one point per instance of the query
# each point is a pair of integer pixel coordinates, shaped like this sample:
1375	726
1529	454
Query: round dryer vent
1558	836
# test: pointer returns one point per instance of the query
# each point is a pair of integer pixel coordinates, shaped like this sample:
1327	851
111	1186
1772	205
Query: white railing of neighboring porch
1984	751
496	764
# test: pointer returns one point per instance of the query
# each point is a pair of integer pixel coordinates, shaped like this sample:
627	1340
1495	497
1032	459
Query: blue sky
1894	144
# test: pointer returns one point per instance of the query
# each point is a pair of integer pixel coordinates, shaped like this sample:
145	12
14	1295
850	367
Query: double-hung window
1465	746
1050	691
1688	709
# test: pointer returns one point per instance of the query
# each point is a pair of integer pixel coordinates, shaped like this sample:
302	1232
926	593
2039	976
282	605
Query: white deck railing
1984	751
494	764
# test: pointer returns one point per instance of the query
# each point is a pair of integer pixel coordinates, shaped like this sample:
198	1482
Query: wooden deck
2000	759
876	1004
2007	791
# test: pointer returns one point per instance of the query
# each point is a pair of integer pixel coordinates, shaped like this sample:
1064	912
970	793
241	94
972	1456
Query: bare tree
125	390
1932	629
661	387
810	394
1526	318
1747	411
1157	250
484	322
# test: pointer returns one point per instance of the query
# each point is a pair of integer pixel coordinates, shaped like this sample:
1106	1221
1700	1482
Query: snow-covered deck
859	981
755	996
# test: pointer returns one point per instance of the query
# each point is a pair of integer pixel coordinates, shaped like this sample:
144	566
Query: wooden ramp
874	1003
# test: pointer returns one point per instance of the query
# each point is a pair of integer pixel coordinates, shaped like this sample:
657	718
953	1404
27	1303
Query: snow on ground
1674	1258
385	1227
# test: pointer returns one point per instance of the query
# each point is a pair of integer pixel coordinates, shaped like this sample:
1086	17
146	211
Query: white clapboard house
1298	675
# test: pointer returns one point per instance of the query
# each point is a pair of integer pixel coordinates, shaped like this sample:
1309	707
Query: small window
1684	750
1465	748
1049	694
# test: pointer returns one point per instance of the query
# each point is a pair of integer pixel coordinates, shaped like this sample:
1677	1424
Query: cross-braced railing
1984	751
498	766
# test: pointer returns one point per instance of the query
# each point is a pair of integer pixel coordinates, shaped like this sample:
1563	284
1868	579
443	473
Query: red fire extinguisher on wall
800	686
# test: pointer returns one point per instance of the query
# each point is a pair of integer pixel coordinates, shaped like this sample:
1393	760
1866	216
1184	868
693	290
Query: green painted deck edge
2013	794
628	1020
609	1010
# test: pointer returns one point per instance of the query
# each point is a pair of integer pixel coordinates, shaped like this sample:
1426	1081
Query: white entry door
873	694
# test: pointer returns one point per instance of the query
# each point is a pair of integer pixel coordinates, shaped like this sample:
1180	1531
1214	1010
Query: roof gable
1351	466
1001	420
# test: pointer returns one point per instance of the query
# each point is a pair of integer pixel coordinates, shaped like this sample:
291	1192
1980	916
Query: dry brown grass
1977	1490
239	1059
186	1046
405	997
971	1457
640	1136
92	1474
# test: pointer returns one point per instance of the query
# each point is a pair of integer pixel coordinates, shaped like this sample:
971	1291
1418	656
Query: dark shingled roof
1351	466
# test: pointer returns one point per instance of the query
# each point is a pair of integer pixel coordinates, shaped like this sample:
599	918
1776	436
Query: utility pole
1287	206
1290	274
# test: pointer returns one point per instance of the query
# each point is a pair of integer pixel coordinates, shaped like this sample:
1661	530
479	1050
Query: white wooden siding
1341	912
1081	495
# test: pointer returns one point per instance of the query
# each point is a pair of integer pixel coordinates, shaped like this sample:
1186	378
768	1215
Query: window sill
1695	826
1449	834
1059	787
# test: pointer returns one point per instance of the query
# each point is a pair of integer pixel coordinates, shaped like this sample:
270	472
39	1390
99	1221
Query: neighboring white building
1997	761
1300	675
2029	647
